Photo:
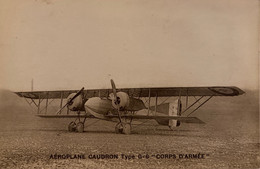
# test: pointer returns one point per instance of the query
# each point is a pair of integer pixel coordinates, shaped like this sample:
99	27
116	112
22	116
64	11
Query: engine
122	100
75	104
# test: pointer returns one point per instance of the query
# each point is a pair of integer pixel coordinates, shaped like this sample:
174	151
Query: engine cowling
75	104
122	100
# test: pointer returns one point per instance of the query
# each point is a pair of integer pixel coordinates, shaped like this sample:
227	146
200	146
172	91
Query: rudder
175	110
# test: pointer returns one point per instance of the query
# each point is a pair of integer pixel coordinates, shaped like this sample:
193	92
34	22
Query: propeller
70	101
116	99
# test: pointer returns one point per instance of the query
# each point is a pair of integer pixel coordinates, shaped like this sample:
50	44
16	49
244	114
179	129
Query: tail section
175	110
169	109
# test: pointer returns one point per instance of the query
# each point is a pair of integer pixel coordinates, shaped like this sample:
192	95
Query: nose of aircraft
92	102
99	105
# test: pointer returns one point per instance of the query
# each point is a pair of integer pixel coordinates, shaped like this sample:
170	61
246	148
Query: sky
68	44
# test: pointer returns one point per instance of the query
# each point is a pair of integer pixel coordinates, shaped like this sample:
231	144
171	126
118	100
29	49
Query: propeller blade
115	98
76	95
59	111
113	88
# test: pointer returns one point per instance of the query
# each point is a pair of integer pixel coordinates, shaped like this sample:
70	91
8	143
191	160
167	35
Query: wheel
72	126
80	127
119	128
126	128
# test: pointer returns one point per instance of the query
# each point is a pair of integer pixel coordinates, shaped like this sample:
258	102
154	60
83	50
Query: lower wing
181	119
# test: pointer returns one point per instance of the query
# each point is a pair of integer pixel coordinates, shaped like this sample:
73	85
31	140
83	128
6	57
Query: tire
80	127
72	126
127	128
118	128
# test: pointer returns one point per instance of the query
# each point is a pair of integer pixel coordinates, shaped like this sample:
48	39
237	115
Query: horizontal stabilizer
180	118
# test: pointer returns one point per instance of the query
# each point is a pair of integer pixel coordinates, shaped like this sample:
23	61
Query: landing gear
72	126
77	127
80	127
123	128
119	128
127	128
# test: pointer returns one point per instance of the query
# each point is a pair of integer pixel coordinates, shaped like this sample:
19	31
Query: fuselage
103	106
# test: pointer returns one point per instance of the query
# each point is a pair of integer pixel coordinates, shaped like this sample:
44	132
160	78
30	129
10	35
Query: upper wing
141	92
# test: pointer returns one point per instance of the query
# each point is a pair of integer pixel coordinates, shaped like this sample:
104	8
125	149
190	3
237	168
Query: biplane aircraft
122	105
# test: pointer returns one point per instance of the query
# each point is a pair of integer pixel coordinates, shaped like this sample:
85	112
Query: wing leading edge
140	92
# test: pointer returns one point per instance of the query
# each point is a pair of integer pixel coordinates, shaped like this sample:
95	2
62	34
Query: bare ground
228	140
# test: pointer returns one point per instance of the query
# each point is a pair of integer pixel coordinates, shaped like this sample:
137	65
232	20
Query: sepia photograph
129	84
